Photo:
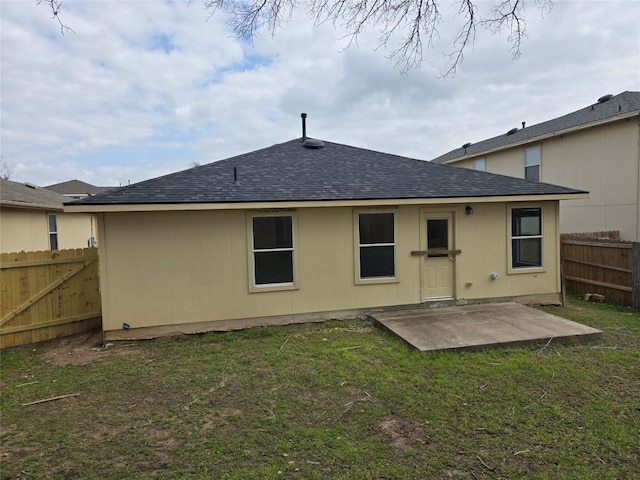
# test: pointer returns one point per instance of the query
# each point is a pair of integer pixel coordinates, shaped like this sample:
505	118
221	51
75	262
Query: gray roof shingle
290	172
619	105
19	194
77	187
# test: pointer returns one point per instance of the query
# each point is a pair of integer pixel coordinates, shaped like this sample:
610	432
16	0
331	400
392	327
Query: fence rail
602	265
48	294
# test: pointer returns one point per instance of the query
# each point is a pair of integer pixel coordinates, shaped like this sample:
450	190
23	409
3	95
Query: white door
438	264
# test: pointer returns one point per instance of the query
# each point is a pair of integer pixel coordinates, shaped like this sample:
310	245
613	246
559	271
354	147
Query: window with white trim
53	231
526	237
480	164
376	245
273	250
532	163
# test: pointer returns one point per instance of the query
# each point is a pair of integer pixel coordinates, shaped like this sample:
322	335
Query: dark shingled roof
620	105
21	195
77	187
290	172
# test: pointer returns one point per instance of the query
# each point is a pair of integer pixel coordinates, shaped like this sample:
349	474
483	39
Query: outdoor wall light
469	210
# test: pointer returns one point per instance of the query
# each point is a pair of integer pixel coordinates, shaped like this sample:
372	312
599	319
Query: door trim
451	251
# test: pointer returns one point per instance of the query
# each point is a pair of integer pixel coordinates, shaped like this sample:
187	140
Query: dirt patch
82	349
401	433
223	420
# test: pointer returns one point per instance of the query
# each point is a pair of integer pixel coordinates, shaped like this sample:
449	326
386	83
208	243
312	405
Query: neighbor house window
53	231
272	250
376	245
526	237
480	164
532	163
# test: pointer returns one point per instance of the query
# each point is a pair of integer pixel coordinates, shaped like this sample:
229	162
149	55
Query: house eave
545	136
30	206
158	207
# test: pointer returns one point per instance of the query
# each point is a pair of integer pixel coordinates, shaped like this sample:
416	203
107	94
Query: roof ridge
577	118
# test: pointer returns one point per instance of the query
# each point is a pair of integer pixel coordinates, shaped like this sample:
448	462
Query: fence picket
48	294
607	266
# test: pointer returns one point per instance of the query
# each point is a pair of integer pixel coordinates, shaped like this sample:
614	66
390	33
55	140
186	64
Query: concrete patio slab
478	327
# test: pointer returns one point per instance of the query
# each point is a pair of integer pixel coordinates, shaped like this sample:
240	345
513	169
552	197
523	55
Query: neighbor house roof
77	187
22	195
292	172
624	105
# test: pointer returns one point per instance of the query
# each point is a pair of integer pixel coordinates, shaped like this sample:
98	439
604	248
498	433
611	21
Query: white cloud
143	88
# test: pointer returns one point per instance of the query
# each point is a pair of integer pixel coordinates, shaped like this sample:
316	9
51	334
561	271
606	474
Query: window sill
523	270
273	288
376	281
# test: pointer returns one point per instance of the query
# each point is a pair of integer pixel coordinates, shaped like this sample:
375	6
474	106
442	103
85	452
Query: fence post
635	280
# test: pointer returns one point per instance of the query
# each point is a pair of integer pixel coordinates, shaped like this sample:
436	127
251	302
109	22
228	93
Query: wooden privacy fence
48	294
604	266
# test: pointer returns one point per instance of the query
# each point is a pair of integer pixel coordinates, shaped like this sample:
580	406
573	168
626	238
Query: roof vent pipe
523	124
304	126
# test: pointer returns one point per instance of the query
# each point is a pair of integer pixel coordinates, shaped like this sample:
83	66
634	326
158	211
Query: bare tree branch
405	27
246	18
466	35
55	6
508	15
6	169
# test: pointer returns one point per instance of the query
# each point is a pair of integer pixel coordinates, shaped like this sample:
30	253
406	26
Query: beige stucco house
309	229
596	148
32	218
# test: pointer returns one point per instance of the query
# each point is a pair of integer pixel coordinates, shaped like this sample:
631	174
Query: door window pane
438	236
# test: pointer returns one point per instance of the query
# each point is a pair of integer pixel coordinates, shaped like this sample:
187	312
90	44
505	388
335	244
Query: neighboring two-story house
596	149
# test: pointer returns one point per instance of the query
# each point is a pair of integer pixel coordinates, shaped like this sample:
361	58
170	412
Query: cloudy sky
143	88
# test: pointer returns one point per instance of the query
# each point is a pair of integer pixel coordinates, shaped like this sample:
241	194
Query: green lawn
330	401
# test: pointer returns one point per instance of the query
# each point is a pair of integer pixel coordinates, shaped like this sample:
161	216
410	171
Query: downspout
103	271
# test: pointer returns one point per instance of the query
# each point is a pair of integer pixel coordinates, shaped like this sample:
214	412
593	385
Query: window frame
53	233
357	246
538	165
251	251
510	260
